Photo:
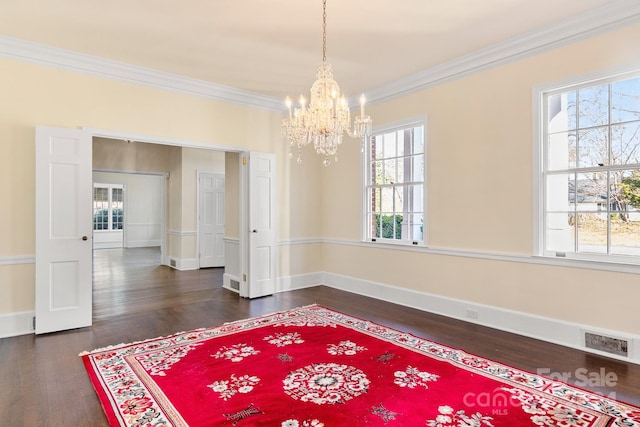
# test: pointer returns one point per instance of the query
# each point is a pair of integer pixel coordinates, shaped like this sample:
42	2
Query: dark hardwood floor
43	381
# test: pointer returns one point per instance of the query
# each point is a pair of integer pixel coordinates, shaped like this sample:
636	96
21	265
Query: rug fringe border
175	334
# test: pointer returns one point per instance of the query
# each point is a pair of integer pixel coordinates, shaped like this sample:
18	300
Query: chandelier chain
324	31
326	117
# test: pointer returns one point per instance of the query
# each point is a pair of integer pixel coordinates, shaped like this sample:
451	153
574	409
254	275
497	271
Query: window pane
593	147
560	234
374	226
374	198
377	173
378	147
400	168
625	212
388	226
415	193
389	145
400	197
100	208
560	191
418	168
418	140
626	185
592	233
402	142
561	110
625	100
416	227
593	106
561	151
591	192
386	199
117	205
625	234
390	172
625	143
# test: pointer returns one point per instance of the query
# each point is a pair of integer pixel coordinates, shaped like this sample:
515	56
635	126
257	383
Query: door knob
84	238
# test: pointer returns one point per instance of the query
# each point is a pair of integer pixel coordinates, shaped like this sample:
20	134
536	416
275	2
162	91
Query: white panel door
211	219
63	229
262	220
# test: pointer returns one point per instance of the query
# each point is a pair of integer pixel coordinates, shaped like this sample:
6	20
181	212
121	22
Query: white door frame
91	133
243	181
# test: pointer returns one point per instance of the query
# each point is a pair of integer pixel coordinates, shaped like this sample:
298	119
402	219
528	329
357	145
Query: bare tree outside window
592	169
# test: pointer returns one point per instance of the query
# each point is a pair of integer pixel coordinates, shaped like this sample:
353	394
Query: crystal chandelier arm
326	117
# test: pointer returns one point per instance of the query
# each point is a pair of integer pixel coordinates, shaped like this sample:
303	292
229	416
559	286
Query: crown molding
613	15
22	50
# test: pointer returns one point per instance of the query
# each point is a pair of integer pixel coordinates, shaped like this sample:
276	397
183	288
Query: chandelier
325	119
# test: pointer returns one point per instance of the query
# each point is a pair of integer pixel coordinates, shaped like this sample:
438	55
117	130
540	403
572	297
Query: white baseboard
556	331
14	324
543	328
142	243
226	282
184	264
301	281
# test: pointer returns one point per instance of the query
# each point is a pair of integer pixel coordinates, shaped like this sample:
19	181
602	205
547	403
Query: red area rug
314	367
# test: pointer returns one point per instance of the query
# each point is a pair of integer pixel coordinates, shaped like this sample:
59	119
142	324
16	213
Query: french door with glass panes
108	215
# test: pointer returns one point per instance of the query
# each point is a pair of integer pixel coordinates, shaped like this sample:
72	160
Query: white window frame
365	158
539	119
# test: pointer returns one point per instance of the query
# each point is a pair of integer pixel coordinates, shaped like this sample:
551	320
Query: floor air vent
617	346
234	284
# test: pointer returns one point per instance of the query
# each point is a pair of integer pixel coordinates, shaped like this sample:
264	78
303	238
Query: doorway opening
160	253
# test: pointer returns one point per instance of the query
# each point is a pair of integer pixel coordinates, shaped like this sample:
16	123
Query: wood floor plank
43	381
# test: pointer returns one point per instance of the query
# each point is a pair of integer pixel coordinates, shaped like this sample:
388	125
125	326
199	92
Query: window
394	194
591	170
108	207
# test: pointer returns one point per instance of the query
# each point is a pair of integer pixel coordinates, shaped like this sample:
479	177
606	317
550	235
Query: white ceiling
273	47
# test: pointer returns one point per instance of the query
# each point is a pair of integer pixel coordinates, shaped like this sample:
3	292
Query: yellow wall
479	139
34	95
479	192
115	154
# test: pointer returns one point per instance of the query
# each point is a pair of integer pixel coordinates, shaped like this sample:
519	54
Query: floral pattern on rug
447	417
228	388
282	340
412	378
344	371
326	383
347	348
236	353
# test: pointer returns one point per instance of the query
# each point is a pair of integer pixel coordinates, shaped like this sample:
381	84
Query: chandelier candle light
327	117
